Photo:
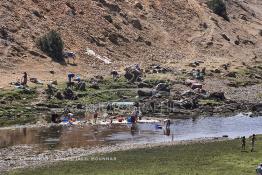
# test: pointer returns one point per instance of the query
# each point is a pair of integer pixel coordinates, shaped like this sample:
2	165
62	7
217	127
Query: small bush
219	8
260	32
53	45
3	33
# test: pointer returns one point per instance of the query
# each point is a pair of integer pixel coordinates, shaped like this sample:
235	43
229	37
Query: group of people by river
253	140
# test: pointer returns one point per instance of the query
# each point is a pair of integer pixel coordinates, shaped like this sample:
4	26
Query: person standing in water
243	143
134	115
253	140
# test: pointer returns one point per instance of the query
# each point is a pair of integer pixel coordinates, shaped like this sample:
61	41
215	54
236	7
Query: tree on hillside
53	45
219	8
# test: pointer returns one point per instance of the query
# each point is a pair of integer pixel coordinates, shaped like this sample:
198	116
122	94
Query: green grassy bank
212	158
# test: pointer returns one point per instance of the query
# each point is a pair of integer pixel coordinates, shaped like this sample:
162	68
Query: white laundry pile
105	59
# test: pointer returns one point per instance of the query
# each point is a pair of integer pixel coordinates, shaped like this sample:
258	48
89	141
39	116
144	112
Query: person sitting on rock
198	75
225	66
259	169
77	79
80	84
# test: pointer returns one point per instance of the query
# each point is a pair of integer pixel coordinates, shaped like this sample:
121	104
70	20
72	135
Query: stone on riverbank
144	93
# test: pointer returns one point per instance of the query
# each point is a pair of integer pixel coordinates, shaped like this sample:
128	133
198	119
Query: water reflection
57	137
134	129
50	136
60	137
167	131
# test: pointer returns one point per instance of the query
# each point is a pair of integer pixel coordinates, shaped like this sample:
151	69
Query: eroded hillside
127	31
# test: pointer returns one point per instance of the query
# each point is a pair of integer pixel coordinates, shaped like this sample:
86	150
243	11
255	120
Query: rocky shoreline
157	91
17	157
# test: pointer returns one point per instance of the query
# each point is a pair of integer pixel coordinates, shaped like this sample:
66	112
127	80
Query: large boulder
59	96
51	90
257	107
81	86
133	74
128	75
156	68
188	104
217	95
69	94
116	38
144	85
188	93
80	106
136	24
189	82
173	104
196	86
112	7
162	87
108	18
94	86
55	118
144	93
217	71
139	6
231	74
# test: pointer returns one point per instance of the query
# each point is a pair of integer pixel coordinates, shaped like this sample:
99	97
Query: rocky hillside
125	32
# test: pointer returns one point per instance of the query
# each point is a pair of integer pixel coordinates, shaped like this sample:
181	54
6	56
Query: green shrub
219	8
53	45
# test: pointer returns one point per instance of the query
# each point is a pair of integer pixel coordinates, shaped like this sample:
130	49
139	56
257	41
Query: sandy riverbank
27	156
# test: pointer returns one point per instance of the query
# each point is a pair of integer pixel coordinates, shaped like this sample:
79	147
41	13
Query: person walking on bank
24	79
243	143
95	116
253	140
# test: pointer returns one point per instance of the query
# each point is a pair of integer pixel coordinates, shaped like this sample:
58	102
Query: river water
63	137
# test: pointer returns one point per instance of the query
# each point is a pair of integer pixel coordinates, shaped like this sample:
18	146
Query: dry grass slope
145	31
